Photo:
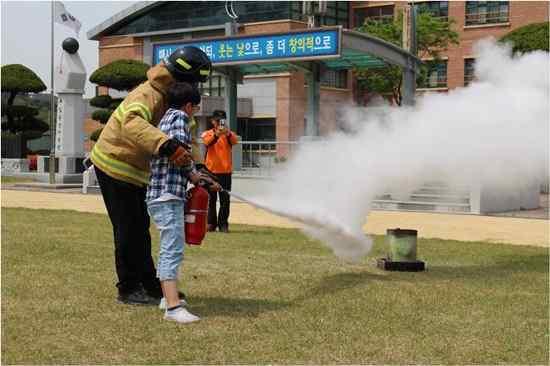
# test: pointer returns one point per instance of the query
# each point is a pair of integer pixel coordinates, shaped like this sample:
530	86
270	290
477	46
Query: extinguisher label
190	218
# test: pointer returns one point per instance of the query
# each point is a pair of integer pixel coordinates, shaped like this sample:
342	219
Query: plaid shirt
168	180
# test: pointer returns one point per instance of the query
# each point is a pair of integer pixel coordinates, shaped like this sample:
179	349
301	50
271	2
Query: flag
62	16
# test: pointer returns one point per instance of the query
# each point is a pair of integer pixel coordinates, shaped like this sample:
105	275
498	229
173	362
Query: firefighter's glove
177	152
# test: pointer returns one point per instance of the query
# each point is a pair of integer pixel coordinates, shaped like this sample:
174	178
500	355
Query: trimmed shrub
17	78
22	119
115	103
94	136
121	74
102	115
19	111
35	134
101	101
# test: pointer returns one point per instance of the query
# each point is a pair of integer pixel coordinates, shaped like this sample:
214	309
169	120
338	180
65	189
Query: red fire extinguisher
196	211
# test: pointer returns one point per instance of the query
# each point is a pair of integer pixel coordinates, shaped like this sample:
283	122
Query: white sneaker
162	304
180	315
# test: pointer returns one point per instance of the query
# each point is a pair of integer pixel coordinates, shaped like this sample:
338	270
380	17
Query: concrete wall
523	196
114	48
263	92
332	100
291	106
272	27
251	187
14	166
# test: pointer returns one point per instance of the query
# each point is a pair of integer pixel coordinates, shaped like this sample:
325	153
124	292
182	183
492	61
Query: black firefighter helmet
189	64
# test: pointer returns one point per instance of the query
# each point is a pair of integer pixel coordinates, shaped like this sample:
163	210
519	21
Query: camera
222	122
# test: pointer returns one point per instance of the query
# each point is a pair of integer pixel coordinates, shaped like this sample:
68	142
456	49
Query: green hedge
531	37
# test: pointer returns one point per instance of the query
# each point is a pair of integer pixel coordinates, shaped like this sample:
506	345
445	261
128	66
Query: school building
272	106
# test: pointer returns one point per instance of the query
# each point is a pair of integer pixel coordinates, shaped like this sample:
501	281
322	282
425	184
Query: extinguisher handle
204	183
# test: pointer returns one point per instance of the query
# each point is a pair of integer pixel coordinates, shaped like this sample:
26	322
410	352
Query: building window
257	129
337	12
468	70
335	78
487	12
439	9
171	15
214	86
379	13
436	76
296	10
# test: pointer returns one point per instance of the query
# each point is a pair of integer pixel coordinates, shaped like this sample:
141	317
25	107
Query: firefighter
121	158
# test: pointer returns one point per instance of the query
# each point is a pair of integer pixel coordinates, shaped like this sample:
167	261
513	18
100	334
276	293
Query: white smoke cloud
493	132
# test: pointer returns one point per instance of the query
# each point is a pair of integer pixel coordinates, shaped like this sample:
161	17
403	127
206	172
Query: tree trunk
11	99
397	93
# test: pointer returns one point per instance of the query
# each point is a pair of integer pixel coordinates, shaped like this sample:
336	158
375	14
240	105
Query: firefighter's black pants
220	220
127	210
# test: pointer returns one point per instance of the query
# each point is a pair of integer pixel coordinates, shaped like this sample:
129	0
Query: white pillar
69	140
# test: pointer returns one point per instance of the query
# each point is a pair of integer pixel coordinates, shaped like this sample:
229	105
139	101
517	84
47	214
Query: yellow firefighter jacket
130	137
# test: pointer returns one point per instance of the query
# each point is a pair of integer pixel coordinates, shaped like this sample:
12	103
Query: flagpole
52	107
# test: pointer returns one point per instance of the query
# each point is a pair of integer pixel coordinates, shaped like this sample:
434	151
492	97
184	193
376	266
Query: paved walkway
534	232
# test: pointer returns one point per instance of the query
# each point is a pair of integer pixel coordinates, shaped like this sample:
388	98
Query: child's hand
195	178
211	183
215	187
200	178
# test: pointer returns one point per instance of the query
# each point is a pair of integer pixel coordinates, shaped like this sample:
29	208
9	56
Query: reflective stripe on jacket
130	137
218	151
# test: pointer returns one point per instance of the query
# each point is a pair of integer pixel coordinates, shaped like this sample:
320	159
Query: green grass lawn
268	295
12	180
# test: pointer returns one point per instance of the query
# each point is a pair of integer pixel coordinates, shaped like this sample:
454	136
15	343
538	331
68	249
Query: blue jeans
168	216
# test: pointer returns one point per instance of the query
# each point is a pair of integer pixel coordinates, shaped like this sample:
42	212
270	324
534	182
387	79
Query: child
166	198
